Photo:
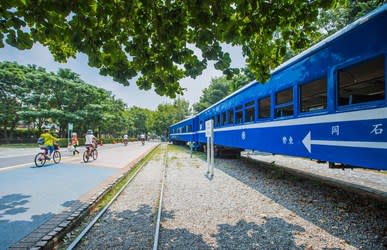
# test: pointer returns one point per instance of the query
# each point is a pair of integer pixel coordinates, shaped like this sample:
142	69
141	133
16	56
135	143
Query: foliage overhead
221	87
328	22
157	41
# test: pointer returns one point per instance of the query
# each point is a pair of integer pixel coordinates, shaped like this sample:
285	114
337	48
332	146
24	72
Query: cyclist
142	139
90	140
126	140
49	141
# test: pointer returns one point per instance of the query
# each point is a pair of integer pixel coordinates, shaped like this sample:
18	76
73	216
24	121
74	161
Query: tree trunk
5	125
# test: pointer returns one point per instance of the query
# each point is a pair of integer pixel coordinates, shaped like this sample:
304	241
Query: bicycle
42	157
90	153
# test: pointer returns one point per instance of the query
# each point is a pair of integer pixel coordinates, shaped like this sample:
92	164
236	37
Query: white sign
243	135
209	128
70	126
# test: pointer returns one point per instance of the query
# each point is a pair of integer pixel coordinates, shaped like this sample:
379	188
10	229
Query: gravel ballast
130	222
244	206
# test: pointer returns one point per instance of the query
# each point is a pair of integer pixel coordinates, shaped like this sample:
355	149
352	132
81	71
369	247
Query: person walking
74	142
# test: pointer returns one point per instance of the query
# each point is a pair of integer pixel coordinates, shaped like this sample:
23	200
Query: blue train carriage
328	103
183	131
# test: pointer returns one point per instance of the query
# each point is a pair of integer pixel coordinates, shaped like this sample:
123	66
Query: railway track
244	206
104	215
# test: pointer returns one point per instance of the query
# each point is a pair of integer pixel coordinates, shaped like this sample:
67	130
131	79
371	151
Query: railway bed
369	183
245	206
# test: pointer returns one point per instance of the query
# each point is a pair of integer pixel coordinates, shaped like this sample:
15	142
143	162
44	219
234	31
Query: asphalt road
29	196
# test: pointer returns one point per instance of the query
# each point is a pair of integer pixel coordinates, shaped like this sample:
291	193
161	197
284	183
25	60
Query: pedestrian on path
74	142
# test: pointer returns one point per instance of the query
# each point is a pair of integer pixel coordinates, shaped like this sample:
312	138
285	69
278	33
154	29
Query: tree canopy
31	96
159	42
221	87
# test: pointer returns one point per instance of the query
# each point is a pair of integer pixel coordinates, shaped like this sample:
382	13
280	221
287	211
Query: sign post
210	147
70	128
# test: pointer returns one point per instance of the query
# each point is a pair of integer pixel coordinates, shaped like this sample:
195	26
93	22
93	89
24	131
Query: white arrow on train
307	141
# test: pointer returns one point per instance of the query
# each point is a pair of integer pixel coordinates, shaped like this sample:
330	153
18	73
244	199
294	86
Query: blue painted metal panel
183	136
352	134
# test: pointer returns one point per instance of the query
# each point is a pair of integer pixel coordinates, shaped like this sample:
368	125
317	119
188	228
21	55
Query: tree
182	109
30	94
219	88
165	115
12	89
139	117
156	40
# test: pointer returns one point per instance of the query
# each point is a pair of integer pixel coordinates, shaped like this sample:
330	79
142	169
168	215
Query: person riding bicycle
49	141
142	138
90	140
125	139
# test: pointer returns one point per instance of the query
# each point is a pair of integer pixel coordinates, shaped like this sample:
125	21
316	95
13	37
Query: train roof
311	50
186	119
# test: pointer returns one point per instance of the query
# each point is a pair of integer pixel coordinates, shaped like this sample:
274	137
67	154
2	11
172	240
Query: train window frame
230	121
217	120
357	64
283	106
301	96
259	117
248	106
223	119
239	114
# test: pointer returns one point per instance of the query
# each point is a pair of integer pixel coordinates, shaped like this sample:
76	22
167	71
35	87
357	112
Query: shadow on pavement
12	231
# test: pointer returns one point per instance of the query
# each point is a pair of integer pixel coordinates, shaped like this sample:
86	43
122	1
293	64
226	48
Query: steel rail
91	224
157	231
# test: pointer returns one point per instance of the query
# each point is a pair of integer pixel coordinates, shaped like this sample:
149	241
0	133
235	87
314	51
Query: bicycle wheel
40	160
95	154
56	157
85	156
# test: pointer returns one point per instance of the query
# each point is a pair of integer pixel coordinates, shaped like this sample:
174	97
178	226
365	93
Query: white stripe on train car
379	113
308	142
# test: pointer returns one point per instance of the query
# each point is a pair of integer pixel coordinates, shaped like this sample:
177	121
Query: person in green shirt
49	141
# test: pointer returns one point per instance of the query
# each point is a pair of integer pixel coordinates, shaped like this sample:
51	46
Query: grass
181	148
19	145
107	197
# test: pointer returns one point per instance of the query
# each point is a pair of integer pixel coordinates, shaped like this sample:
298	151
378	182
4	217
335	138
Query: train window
239	114
217	121
230	117
284	103
200	125
363	82
313	95
264	107
248	104
284	97
249	111
189	128
223	121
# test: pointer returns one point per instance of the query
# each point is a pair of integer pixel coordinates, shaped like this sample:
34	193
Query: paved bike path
31	196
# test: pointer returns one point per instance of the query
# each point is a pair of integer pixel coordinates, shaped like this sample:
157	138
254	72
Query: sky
131	94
